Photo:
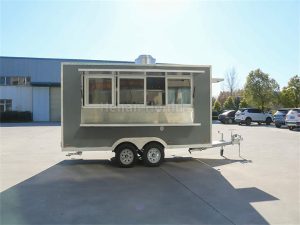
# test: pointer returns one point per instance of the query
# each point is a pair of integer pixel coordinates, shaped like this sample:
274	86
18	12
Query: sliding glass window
131	91
179	91
156	91
99	91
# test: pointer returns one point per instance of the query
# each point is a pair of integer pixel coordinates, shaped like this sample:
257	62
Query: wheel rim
126	156
154	155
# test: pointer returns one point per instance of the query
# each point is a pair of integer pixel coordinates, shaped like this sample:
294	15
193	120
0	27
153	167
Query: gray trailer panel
76	133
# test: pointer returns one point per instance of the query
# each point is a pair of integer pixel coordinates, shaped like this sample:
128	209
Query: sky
245	35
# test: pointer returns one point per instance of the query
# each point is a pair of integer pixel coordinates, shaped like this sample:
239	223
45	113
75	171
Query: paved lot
40	185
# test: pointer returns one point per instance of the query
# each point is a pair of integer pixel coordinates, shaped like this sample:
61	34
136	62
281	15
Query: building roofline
62	59
86	61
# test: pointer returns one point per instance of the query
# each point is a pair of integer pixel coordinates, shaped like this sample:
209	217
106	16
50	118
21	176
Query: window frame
115	78
5	103
183	77
131	77
86	91
156	106
7	81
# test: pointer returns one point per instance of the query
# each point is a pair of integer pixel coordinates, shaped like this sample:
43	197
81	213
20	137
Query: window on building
28	80
100	91
179	91
15	81
156	91
5	105
2	81
7	82
22	81
131	91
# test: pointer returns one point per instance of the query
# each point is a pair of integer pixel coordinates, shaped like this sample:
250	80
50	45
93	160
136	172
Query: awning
45	84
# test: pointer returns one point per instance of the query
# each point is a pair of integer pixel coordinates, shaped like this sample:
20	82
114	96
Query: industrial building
33	84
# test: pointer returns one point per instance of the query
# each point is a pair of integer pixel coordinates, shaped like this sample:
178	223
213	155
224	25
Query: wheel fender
139	142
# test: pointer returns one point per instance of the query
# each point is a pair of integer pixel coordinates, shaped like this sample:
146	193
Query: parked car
227	117
215	115
248	115
293	118
279	117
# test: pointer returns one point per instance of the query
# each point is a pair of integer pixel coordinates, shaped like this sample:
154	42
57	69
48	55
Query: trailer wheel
126	155
153	154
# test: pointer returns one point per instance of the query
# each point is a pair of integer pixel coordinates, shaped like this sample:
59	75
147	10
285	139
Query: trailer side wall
73	135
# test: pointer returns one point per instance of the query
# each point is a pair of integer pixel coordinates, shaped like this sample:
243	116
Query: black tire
278	125
259	123
230	121
153	154
268	121
248	121
126	155
291	128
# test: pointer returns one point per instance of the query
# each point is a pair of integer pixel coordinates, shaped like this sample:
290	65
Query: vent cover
145	59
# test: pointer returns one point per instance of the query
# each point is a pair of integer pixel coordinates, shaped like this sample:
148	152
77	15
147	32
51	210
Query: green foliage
213	99
223	95
290	95
229	103
217	106
260	89
243	103
237	101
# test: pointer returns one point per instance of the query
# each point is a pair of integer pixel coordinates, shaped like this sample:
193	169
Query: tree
213	99
243	103
260	89
223	95
217	106
231	80
237	101
229	104
290	95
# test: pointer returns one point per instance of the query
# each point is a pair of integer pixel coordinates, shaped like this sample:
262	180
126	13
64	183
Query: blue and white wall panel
21	97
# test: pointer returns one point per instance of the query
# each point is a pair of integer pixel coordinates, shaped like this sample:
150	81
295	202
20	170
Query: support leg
222	151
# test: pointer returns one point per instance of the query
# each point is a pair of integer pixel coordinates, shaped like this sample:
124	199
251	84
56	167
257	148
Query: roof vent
145	59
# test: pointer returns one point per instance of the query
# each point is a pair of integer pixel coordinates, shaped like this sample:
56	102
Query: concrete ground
40	185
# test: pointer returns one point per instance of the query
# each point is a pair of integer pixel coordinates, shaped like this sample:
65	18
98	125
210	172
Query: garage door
55	104
40	98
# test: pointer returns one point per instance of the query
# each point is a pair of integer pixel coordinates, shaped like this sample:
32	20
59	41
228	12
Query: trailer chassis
235	140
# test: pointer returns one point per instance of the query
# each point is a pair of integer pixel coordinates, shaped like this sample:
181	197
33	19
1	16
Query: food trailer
137	110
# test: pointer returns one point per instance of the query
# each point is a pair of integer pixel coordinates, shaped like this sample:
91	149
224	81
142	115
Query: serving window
156	91
99	91
179	91
131	91
142	89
